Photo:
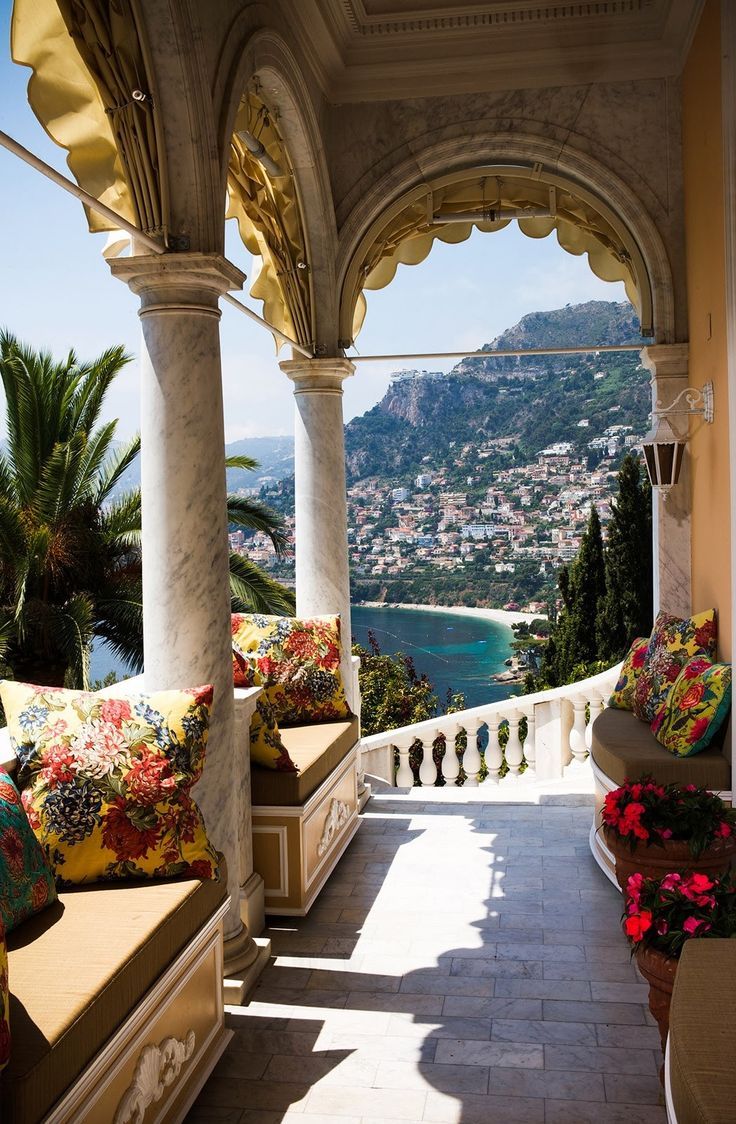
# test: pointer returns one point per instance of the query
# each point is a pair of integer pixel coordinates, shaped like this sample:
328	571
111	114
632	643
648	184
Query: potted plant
661	914
652	829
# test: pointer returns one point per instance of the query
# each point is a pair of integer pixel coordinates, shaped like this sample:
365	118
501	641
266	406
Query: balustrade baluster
597	706
427	767
404	775
494	753
578	746
514	751
450	763
530	748
471	758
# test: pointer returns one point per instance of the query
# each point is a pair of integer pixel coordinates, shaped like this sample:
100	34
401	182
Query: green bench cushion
701	1041
623	747
316	750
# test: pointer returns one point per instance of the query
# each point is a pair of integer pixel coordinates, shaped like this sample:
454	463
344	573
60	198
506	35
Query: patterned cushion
4	1003
673	642
696	707
623	693
266	746
26	880
106	780
298	662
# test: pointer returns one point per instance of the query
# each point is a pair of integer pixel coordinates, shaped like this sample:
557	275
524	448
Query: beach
501	616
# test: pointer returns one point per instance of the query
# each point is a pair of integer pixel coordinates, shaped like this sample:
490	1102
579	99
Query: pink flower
666	833
724	830
115	711
633	888
662	927
670	882
695	925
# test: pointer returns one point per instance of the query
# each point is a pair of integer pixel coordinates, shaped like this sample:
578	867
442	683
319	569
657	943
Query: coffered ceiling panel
379	49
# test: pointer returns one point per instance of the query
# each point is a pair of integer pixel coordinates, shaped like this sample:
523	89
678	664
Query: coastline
500	616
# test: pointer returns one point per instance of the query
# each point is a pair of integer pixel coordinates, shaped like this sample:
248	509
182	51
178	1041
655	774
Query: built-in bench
302	822
624	748
700	1077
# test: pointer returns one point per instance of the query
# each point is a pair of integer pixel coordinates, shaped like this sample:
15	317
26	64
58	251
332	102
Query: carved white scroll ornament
336	817
158	1068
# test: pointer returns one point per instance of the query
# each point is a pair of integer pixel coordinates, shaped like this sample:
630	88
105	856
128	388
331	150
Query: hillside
535	402
275	456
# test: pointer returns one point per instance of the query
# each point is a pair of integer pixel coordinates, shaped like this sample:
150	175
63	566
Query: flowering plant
663	913
653	813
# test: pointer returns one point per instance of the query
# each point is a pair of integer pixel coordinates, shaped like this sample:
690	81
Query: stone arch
541	159
268	58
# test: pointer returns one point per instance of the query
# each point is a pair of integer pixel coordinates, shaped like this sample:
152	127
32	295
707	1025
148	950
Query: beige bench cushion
702	1070
78	969
624	747
316	750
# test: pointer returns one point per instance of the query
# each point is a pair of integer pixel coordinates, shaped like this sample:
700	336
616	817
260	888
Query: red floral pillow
4	1003
26	880
673	643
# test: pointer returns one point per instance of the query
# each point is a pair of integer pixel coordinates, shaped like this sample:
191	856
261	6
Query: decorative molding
336	818
471	17
281	832
157	1070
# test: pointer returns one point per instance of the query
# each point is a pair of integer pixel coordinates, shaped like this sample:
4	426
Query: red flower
268	667
115	711
633	888
122	837
8	793
11	846
149	779
637	925
705	635
637	659
202	695
33	817
699	727
724	830
692	696
695	668
58	766
200	868
39	893
695	925
670	881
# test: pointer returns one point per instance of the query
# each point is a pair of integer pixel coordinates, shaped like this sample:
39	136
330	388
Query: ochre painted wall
706	283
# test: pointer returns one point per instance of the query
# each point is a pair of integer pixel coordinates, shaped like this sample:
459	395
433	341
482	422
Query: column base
241	978
364	794
252	904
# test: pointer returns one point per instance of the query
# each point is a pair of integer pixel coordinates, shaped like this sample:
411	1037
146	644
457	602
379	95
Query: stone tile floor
464	963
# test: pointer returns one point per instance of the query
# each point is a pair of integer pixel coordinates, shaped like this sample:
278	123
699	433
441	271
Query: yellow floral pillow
298	662
106	780
266	746
696	708
674	641
4	1003
623	693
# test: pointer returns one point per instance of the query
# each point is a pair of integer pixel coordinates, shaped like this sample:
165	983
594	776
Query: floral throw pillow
106	781
26	880
298	662
4	1003
674	641
266	746
623	693
696	708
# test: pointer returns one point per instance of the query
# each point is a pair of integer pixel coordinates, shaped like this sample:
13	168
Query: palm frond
242	461
256	516
116	465
73	625
252	591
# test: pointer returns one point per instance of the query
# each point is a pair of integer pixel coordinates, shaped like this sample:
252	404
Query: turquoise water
455	652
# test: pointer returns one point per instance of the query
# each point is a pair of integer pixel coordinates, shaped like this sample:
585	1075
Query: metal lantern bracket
699	401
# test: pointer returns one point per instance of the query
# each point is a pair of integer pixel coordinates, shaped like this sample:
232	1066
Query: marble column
186	596
668	365
322	563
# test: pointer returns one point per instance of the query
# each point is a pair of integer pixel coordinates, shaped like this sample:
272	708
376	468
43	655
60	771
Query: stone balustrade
542	732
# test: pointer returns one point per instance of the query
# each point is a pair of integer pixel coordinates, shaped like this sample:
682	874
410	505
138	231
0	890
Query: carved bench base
295	849
151	1071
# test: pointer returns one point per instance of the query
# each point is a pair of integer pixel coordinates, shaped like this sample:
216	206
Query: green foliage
392	694
583	587
626	610
70	552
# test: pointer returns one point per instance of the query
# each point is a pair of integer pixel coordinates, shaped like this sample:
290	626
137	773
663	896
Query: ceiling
384	49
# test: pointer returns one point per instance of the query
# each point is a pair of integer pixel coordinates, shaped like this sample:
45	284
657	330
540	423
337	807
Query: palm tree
70	546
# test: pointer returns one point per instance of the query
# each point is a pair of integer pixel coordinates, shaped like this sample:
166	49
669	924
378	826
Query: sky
57	293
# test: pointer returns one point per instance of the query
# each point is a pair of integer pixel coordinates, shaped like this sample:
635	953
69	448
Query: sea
456	653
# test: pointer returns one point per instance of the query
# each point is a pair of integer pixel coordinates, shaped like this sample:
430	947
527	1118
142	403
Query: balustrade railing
542	733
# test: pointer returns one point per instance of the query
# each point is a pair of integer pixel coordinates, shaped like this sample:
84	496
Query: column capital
318	376
188	280
666	360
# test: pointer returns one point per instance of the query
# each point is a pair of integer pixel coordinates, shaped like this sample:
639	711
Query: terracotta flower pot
654	860
659	972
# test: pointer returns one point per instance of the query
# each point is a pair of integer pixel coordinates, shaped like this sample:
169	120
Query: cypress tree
626	610
583	588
